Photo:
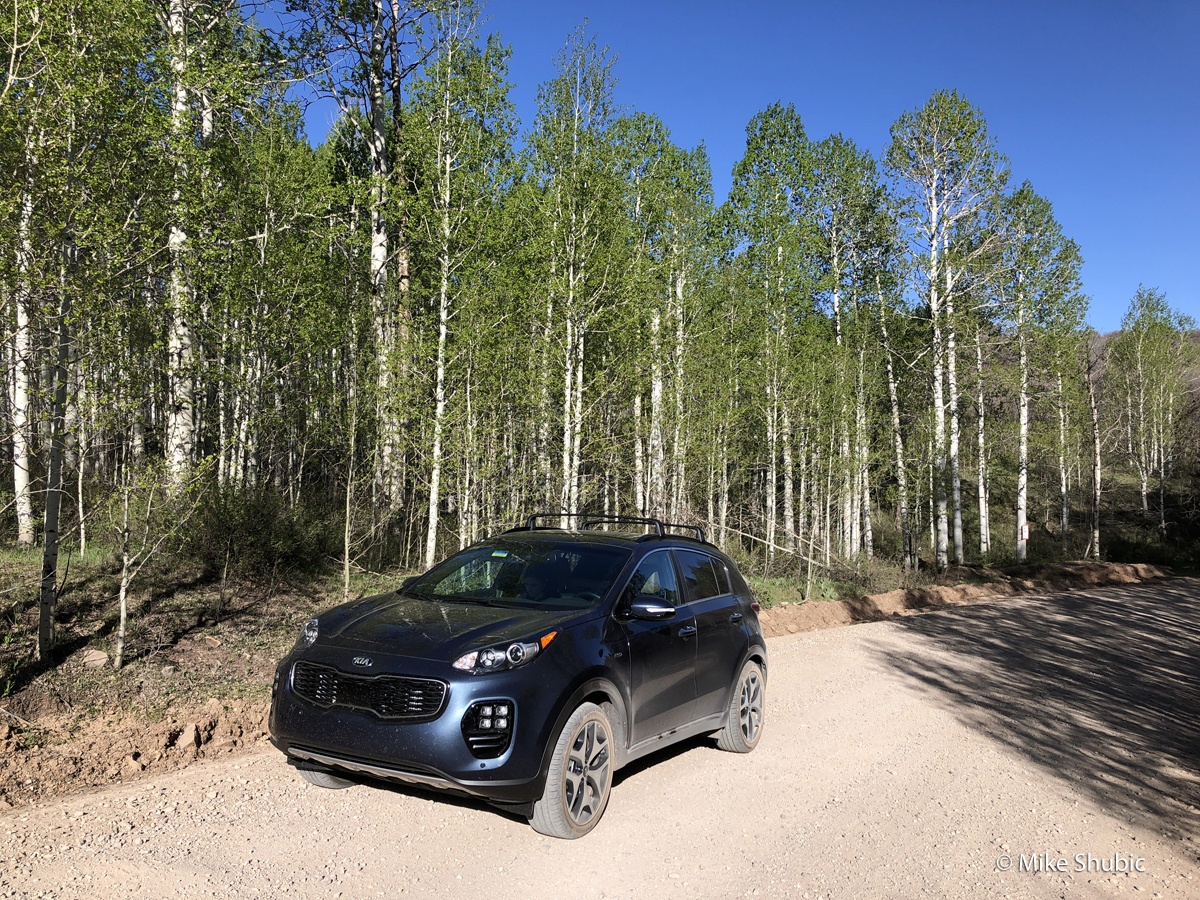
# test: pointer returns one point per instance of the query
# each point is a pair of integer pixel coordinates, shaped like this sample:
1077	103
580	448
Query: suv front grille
387	696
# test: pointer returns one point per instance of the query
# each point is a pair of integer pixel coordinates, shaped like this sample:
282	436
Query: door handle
736	617
687	631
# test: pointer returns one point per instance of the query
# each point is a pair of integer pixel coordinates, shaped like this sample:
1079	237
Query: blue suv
529	667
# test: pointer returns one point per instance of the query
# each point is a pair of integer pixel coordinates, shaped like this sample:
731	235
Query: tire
325	779
744	721
580	778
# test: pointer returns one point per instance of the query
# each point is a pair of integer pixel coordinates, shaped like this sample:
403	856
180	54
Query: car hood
408	626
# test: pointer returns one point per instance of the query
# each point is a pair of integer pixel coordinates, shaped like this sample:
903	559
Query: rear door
721	638
662	654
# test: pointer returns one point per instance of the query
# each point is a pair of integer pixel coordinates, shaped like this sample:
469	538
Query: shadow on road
1101	688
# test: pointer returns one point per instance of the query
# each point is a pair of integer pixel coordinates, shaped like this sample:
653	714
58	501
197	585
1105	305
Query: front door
662	654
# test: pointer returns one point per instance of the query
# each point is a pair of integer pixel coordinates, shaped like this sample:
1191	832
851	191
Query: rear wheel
324	779
743	724
580	777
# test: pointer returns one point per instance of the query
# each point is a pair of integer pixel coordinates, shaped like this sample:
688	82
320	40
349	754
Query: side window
655	576
722	576
700	579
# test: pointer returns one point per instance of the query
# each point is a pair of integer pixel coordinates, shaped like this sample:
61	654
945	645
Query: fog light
487	728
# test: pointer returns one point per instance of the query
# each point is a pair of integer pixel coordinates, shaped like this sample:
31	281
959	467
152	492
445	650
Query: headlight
497	659
308	637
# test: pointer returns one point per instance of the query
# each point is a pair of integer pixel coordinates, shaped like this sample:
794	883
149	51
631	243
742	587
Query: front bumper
432	754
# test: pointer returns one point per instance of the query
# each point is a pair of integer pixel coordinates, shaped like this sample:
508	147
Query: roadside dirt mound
50	758
985	585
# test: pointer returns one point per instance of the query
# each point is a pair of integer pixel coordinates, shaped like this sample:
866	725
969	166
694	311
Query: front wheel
744	722
580	777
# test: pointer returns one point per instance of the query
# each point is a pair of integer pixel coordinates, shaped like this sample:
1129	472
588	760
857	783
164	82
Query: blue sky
1096	102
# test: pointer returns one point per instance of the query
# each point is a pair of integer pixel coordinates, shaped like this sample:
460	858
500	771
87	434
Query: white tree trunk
723	491
656	501
677	449
568	418
906	529
469	521
789	506
639	459
23	368
938	459
180	409
542	441
1064	484
955	418
1023	437
828	520
772	473
577	426
802	525
849	532
1094	544
388	475
863	457
126	575
985	526
445	171
348	504
1143	456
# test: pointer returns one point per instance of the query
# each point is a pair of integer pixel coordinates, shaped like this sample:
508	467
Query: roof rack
591	520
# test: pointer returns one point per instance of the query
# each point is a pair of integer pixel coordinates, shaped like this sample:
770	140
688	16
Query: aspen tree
945	162
1041	280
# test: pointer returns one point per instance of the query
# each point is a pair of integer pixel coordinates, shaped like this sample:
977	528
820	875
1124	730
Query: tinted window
699	575
722	576
655	577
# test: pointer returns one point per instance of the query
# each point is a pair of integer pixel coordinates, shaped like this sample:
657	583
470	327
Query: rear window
703	576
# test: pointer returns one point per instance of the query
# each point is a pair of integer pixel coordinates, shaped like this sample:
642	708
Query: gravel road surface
1042	747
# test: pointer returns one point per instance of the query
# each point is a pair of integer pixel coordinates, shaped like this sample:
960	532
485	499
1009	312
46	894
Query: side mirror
651	609
409	581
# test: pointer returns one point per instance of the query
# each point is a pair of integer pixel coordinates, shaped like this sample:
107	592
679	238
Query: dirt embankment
43	759
979	585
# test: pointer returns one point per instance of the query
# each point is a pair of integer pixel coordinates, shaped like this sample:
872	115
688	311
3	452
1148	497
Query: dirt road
1027	748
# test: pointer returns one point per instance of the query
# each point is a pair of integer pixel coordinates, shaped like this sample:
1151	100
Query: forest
228	345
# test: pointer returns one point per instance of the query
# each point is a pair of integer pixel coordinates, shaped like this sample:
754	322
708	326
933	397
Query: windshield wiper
477	601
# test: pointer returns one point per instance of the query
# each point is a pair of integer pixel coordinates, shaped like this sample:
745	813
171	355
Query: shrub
248	531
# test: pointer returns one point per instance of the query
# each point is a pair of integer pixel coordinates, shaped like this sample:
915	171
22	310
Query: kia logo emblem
364	661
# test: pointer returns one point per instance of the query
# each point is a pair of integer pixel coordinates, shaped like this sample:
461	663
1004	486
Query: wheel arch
755	653
758	654
604	694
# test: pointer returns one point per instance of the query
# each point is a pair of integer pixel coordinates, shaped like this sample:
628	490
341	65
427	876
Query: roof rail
696	528
591	520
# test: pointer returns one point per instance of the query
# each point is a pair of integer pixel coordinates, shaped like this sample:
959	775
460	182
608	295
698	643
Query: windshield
525	574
